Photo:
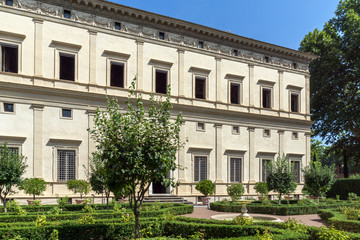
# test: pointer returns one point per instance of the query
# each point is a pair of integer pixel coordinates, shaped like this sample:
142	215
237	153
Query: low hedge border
283	209
340	221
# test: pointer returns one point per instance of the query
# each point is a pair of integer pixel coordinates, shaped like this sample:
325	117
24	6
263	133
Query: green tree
33	186
138	145
280	176
98	178
318	179
235	191
335	80
78	186
12	167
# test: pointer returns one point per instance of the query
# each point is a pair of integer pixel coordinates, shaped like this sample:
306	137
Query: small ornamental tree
280	176
262	188
12	167
138	145
33	186
235	191
98	179
206	187
78	186
318	179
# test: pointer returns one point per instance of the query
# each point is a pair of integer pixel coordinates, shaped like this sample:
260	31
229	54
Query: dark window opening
296	170
235	169
267	133
66	113
161	35
265	173
9	107
9	2
200	169
294	65
295	135
235	52
9	57
201	44
117	26
266	101
67	14
117	75
236	130
161	81
67	67
235	93
267	59
294	102
65	165
201	126
200	85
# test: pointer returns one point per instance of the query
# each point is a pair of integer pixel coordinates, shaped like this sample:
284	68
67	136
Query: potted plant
33	186
262	189
235	191
206	187
79	186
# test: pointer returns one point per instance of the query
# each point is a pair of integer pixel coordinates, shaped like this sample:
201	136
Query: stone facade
245	114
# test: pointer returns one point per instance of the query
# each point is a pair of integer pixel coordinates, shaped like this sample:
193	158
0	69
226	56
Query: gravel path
310	220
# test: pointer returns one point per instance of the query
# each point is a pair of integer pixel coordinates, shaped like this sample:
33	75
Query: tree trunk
137	225
279	198
346	170
5	202
107	199
34	197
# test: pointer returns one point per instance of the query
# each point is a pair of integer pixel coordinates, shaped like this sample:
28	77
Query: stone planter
205	200
288	198
79	201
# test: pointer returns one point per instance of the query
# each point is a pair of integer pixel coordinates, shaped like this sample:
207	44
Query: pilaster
38	39
140	65
182	154
218	80
308	148
219	152
38	139
307	94
281	90
92	57
181	54
251	85
91	142
253	172
281	142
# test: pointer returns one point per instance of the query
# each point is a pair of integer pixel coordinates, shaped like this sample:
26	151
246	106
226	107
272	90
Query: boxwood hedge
343	187
339	220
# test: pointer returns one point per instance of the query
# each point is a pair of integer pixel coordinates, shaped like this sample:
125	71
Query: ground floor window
264	170
65	165
200	168
235	169
296	170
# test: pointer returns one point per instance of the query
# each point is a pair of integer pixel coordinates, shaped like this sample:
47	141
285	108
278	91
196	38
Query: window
295	135
65	165
294	98
9	58
201	44
66	113
294	65
200	127
236	130
235	169
161	78
116	74
161	36
264	170
9	107
200	168
267	59
9	2
296	170
67	14
200	87
235	53
267	133
13	150
266	97
67	66
234	93
117	26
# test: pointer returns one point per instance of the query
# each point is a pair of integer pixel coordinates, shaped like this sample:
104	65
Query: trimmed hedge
343	187
283	209
340	221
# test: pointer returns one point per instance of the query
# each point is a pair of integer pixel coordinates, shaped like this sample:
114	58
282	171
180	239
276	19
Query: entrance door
157	188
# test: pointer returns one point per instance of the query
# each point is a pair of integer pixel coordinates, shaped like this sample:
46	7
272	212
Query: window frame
293	137
117	58
241	157
198	129
205	77
264	84
116	23
67	118
293	160
12	39
238	82
207	166
293	92
162	69
233	132
68	10
55	161
3	108
67	49
267	135
262	160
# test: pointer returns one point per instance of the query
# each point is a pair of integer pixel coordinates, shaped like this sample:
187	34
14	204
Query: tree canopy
335	79
138	145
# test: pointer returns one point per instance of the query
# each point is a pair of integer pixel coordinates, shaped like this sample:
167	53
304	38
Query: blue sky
281	22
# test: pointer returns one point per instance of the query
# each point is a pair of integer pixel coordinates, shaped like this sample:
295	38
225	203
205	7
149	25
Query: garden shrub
331	233
235	191
206	187
352	196
241	220
343	187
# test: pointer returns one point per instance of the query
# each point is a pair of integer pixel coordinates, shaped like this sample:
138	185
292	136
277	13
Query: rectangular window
66	113
65	165
200	127
9	58
116	74
9	107
294	65
67	14
161	81
267	60
67	66
296	170
201	44
235	169
295	135
9	2
161	36
200	168
294	102
200	87
14	150
235	53
117	26
234	93
236	130
266	98
264	170
267	133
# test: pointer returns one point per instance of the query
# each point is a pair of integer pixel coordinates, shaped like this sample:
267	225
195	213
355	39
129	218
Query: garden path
310	220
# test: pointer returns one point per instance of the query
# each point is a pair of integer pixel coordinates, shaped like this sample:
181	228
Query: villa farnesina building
243	101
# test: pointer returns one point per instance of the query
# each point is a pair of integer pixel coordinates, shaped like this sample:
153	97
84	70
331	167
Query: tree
98	179
12	167
318	179
78	186
280	176
137	145
33	186
235	191
335	80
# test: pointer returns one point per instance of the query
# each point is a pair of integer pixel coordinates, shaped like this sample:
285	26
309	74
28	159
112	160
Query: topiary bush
33	186
206	187
235	191
78	186
261	188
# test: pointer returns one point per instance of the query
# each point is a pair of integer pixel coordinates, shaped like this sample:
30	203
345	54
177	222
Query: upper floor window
9	58
116	74
235	53
236	130
200	168
161	81
201	44
266	59
294	102
264	171
67	14
9	2
66	113
234	93
200	127
117	26
161	35
67	66
295	65
266	97
9	107
296	170
200	87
